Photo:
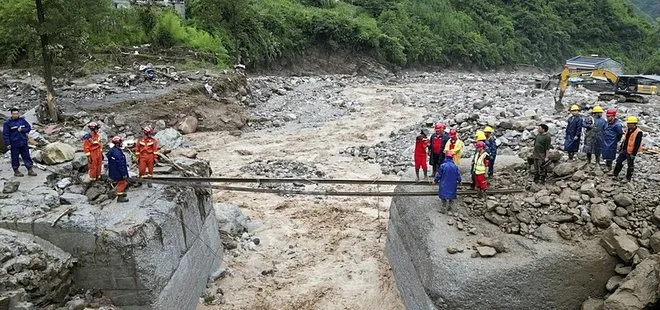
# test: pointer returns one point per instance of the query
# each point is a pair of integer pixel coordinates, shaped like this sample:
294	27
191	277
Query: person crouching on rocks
117	168
448	178
480	164
421	144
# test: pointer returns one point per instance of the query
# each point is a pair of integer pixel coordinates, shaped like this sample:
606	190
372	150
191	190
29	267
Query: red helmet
116	139
440	126
148	130
453	133
611	112
480	144
449	154
93	125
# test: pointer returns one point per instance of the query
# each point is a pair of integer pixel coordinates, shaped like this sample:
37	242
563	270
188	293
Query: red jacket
421	145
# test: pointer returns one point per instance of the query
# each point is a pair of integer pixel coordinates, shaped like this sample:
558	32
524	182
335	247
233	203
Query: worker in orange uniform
630	147
117	168
146	150
421	144
93	149
455	145
480	164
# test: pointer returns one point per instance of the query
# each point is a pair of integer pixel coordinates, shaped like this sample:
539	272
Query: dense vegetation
477	33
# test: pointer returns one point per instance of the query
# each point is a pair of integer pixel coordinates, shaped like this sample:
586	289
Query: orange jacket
92	143
146	146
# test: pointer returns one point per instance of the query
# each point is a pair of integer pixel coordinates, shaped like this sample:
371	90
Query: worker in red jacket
146	150
93	148
421	144
437	143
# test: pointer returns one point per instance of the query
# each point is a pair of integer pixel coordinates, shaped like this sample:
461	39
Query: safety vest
479	167
630	147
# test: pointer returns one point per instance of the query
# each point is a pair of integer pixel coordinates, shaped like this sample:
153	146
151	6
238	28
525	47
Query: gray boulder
623	200
639	289
565	169
230	218
188	125
169	138
57	152
601	216
428	277
592	304
616	241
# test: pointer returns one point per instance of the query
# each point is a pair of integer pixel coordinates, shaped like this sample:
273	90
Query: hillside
650	7
482	34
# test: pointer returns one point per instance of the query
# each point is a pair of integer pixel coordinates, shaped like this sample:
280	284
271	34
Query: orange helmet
93	125
440	126
116	140
148	130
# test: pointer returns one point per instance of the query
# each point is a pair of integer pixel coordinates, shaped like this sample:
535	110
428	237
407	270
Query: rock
565	232
554	155
94	192
169	138
10	187
79	161
622	269
496	244
461	117
524	216
601	216
37	156
617	242
530	113
452	250
546	233
545	200
63	183
400	98
589	188
639	289
564	169
656	216
57	152
654	242
486	251
188	153
507	124
613	283
76	304
623	200
495	218
500	210
188	125
73	199
480	104
592	304
230	218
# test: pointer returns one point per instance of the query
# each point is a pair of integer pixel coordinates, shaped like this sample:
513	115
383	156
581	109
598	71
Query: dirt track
327	252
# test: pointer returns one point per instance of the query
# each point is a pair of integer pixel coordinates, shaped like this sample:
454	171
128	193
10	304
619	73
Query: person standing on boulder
573	132
455	145
146	150
15	136
542	145
630	147
93	149
480	168
448	178
117	168
611	137
593	133
437	143
491	149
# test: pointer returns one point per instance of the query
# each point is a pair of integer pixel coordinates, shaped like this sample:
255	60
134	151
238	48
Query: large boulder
57	152
565	169
616	241
639	289
169	138
428	277
188	125
231	219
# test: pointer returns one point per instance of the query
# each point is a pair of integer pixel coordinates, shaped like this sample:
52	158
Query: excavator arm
565	74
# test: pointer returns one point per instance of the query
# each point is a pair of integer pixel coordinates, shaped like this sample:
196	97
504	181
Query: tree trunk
51	106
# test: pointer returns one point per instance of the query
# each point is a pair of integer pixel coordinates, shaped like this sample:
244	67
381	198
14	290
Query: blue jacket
12	136
573	134
448	178
117	168
611	137
491	147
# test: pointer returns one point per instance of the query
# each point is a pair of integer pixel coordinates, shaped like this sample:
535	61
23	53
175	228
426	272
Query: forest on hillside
482	34
650	7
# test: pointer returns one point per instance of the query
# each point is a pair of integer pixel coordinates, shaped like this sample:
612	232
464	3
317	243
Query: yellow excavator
626	87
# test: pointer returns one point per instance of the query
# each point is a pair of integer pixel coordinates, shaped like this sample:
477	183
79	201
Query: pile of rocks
281	168
32	271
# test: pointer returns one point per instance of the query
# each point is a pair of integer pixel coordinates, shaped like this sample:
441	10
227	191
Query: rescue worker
455	145
93	149
480	168
542	145
593	133
611	137
480	136
573	132
630	146
448	179
15	136
437	143
491	149
146	151
117	168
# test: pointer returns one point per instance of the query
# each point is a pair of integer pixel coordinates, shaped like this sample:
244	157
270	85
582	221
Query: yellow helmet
481	136
597	109
488	129
575	108
631	120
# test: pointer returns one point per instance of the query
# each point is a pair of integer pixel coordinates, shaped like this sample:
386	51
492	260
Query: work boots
122	198
17	173
31	172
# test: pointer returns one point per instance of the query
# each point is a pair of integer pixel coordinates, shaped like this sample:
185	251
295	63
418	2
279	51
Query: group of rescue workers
15	134
602	137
